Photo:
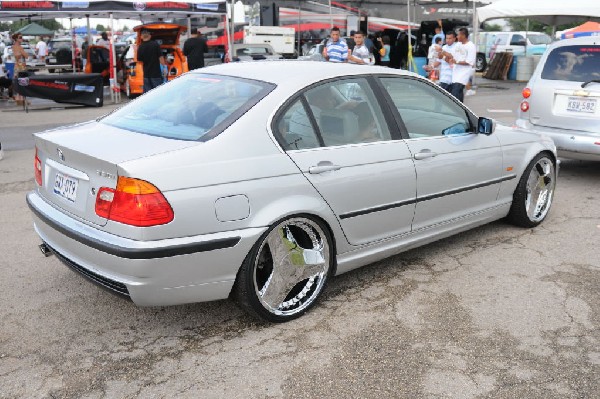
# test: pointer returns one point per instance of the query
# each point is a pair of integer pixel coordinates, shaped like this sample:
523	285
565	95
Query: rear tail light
526	92
134	202
37	168
524	106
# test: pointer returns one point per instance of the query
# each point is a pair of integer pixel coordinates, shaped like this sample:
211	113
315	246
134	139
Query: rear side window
573	63
192	107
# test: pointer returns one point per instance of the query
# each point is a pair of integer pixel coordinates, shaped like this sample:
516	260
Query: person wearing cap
194	49
150	54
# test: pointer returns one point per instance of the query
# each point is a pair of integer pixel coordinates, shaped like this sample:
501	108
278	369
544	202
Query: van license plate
66	186
579	104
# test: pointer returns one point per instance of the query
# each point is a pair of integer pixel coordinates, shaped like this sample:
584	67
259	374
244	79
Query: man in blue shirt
336	49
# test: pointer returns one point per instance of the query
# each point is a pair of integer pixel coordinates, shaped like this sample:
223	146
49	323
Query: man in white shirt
41	48
360	54
463	62
446	55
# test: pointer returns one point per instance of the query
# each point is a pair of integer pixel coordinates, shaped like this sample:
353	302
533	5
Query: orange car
98	60
167	35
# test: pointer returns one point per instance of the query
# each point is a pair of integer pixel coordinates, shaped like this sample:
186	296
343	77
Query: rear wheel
286	271
533	197
480	63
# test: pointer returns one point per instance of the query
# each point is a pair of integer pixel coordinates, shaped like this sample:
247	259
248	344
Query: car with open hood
167	36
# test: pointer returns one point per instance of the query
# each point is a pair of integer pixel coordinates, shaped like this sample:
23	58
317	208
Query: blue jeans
446	86
458	91
151	83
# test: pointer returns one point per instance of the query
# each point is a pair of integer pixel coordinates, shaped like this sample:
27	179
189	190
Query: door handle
322	167
425	154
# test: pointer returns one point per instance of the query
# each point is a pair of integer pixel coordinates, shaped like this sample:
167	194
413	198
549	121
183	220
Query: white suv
562	98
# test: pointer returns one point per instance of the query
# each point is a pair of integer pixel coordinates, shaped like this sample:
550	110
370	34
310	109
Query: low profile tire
533	197
480	62
286	271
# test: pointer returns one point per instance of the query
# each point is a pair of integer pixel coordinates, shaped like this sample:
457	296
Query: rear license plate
52	60
66	186
579	104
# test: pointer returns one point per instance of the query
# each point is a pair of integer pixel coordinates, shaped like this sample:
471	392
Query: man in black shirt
194	49
150	54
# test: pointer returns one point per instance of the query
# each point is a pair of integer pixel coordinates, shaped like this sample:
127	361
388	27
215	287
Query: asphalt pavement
496	312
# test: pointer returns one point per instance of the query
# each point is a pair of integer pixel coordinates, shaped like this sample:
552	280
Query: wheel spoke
539	189
292	263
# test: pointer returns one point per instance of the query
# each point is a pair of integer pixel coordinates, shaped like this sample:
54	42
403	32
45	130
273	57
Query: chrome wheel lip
540	191
317	278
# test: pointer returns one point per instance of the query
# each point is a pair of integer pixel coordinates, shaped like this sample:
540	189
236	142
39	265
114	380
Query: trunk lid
78	160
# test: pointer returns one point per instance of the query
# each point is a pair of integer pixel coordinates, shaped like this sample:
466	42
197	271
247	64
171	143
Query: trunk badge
60	154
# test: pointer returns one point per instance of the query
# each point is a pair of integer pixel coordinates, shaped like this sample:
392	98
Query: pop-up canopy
550	12
102	9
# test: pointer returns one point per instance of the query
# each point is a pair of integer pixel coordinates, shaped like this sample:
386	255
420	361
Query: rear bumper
571	144
151	273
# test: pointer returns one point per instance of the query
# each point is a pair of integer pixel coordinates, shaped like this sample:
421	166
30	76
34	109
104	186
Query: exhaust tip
46	251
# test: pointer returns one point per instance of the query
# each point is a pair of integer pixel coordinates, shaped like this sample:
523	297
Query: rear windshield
192	107
573	63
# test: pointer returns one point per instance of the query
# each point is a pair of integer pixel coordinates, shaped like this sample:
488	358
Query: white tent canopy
550	12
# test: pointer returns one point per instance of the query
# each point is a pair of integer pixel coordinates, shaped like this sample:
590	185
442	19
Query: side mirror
485	126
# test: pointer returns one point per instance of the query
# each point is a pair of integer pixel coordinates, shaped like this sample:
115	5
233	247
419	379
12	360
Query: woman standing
385	50
20	61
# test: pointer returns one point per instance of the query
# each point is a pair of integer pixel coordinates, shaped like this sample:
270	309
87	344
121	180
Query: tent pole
113	80
89	34
409	35
73	44
228	33
330	16
189	25
475	37
526	36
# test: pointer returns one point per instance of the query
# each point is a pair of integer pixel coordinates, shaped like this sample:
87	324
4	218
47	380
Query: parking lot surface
498	311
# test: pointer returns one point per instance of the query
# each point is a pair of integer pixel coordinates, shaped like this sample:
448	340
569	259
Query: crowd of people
451	56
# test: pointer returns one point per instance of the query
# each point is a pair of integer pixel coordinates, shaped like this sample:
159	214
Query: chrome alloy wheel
540	189
291	267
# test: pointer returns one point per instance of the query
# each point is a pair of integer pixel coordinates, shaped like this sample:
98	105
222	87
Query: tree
125	28
14	26
100	28
491	27
535	26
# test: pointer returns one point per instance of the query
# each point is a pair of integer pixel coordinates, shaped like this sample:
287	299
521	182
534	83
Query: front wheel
287	270
533	197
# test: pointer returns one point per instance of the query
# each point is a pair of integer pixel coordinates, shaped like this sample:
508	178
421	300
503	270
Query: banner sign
82	89
111	6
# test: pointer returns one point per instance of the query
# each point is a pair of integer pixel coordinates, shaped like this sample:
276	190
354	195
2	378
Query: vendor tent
587	29
82	30
34	29
550	12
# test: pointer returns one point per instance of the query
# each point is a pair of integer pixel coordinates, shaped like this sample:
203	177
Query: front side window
425	111
517	40
192	107
573	63
540	39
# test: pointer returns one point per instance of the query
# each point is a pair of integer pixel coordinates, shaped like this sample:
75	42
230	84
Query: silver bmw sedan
260	181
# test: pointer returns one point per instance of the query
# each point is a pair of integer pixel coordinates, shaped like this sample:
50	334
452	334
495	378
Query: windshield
573	63
540	39
193	107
